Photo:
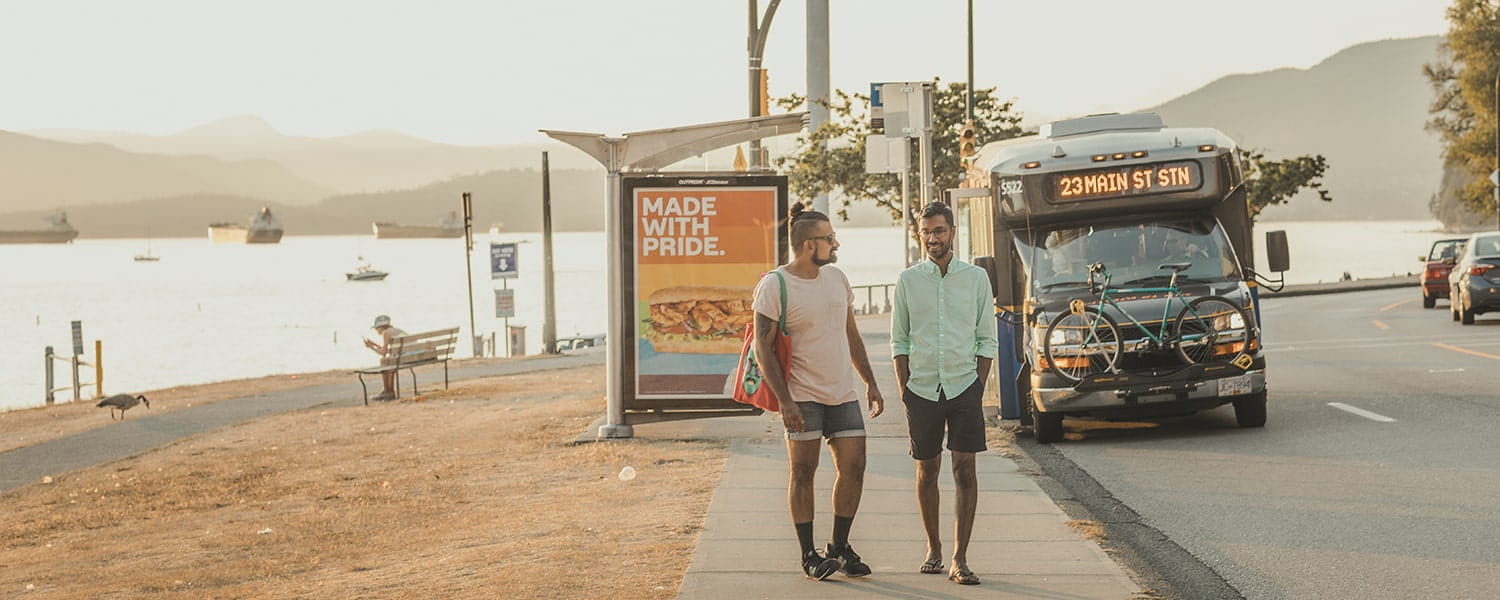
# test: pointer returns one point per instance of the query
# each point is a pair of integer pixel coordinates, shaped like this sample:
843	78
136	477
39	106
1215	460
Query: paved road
1377	476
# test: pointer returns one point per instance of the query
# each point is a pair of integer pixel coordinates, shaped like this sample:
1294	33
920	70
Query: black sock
804	536
841	530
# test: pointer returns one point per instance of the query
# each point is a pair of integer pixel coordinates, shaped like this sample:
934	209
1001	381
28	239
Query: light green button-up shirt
943	324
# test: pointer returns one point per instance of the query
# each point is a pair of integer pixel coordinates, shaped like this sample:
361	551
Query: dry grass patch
1091	530
473	492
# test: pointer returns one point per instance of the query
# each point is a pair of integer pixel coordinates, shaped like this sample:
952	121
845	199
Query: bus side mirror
988	264
1276	251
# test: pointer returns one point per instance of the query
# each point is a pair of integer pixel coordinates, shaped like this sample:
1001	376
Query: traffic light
967	141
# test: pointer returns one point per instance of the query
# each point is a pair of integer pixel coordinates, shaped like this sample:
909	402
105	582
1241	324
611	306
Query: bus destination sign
1134	180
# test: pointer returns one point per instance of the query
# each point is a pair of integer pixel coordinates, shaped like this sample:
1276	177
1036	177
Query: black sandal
963	576
933	566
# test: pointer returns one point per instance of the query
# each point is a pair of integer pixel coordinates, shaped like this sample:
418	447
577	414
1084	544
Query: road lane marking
1465	350
1394	305
1380	324
1445	370
1362	412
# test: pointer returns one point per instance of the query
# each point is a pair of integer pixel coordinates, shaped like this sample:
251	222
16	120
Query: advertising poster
699	245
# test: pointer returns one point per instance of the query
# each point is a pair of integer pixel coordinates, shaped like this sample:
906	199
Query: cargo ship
264	228
59	232
449	227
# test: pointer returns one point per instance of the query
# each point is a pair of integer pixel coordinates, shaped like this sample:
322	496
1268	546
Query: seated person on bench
387	333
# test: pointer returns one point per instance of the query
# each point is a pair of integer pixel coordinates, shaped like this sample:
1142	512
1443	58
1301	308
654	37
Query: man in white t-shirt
817	394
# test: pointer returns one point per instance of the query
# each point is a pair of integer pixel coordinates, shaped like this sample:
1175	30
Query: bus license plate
1234	386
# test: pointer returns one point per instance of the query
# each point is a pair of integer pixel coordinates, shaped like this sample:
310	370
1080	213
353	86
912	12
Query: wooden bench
411	351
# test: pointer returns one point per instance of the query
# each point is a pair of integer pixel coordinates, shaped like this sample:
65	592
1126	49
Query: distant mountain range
369	161
1362	108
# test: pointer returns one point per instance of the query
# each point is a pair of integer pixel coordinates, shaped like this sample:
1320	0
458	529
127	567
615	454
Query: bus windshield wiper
1151	279
1048	286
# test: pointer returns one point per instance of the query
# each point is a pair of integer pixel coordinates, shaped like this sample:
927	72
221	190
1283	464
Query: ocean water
210	312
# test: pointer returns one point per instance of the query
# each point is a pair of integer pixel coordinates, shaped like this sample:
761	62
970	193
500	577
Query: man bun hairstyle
804	222
934	209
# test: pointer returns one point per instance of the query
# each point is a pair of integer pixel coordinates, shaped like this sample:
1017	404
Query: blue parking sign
503	261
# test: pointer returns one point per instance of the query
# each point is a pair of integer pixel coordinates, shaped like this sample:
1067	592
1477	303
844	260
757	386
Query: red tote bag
749	382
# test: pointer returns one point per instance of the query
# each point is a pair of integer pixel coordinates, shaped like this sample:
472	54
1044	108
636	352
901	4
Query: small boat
365	272
148	256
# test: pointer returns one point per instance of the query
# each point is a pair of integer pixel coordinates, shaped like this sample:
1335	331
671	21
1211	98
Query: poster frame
630	182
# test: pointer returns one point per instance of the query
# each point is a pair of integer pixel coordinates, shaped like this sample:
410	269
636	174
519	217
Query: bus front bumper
1140	395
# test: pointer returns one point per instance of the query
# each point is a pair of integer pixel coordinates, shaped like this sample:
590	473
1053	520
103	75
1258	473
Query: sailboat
148	256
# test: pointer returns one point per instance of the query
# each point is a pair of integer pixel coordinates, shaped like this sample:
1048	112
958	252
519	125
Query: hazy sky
491	72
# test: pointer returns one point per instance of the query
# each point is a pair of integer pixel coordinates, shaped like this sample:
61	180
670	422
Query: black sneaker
849	562
817	566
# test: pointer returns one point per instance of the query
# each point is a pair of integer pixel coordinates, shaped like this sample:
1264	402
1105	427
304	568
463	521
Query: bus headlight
1229	322
1060	337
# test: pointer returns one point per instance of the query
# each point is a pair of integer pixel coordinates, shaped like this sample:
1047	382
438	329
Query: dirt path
472	492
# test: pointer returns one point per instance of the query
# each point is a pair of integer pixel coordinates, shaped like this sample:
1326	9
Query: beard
833	257
937	251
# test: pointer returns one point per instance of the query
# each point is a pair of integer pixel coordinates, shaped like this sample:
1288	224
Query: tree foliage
1463	110
832	159
1271	182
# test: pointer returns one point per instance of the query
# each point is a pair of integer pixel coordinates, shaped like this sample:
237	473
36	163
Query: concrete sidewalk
1022	546
143	431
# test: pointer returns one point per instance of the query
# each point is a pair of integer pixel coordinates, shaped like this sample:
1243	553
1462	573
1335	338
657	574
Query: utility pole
817	76
549	292
969	93
469	272
1496	190
756	44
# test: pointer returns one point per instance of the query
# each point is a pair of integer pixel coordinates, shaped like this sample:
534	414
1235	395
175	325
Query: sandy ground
473	492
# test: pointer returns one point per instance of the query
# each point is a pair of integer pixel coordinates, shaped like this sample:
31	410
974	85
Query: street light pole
969	93
756	44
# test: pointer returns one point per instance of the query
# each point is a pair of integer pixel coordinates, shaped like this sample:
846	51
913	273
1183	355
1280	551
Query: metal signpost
908	114
504	266
891	155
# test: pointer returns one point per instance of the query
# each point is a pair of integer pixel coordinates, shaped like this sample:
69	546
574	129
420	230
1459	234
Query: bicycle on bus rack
1085	340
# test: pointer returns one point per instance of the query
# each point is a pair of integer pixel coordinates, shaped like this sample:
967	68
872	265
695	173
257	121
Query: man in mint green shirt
942	342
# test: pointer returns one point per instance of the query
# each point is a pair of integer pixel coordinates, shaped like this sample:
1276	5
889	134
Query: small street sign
503	261
505	303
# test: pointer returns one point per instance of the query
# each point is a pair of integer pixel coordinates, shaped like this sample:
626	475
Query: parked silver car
1474	284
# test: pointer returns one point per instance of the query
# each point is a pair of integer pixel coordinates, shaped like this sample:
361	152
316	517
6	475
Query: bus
1120	254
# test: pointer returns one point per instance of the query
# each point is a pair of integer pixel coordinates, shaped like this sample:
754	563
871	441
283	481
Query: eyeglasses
830	238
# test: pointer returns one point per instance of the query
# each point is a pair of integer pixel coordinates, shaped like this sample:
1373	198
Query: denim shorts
822	420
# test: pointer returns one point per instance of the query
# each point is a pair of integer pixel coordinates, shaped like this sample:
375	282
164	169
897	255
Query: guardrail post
98	369
77	391
50	385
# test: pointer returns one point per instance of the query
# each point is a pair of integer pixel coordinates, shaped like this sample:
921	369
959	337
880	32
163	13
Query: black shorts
962	415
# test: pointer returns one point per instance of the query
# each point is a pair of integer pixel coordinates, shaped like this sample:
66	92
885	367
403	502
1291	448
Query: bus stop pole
614	426
906	232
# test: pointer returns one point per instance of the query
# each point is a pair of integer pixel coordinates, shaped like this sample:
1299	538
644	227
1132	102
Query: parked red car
1439	264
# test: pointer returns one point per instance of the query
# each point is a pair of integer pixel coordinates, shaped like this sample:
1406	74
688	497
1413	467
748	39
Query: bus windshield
1132	252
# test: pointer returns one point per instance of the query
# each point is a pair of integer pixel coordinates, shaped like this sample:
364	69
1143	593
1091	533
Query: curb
1356	285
